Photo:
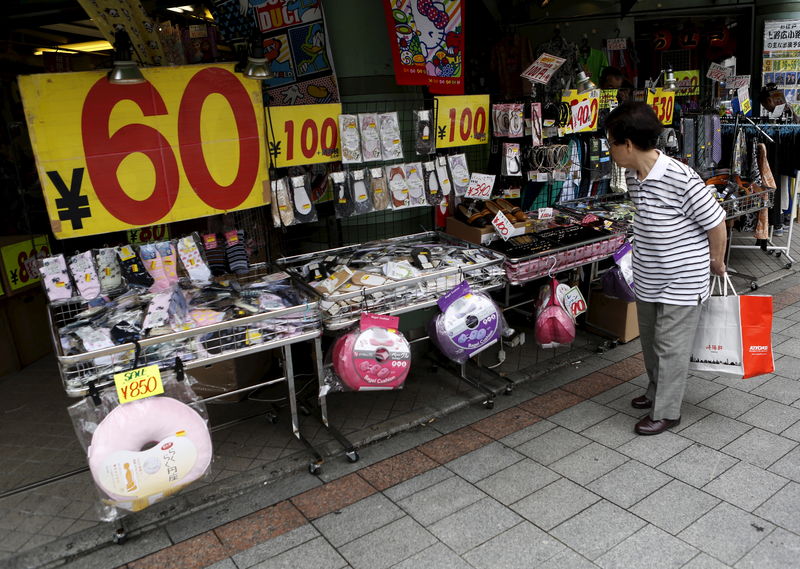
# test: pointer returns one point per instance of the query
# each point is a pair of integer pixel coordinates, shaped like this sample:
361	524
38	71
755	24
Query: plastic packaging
282	198
127	478
516	120
391	142
85	275
303	207
192	259
108	269
370	137
350	139
359	182
415	180
459	173
554	327
375	356
468	323
133	268
379	189
398	188
433	191
424	139
342	195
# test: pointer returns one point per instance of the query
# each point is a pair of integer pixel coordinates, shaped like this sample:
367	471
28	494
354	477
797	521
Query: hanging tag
574	303
138	383
545	213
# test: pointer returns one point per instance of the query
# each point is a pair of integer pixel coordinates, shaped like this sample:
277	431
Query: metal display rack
91	370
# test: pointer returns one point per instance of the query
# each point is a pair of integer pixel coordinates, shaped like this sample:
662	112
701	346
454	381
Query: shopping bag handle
721	284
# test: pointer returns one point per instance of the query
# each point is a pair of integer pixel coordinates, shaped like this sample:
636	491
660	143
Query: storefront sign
461	121
149	234
663	103
608	98
590	108
189	142
138	383
542	70
19	261
480	186
688	83
304	134
781	35
717	72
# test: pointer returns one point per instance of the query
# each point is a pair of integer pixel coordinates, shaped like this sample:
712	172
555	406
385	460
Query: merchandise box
29	325
478	235
230	375
14	251
612	317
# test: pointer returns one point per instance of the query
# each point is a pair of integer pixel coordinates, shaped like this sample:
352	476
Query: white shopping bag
718	342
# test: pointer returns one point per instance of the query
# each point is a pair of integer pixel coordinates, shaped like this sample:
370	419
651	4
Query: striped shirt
674	210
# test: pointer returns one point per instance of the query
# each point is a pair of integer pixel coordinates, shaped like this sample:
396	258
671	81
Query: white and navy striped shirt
674	210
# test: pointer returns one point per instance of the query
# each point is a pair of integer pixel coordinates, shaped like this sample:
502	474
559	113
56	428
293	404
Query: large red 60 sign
105	153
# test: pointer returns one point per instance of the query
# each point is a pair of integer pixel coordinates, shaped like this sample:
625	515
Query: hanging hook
550	270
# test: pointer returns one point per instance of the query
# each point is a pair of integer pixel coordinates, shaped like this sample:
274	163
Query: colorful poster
295	45
781	64
427	41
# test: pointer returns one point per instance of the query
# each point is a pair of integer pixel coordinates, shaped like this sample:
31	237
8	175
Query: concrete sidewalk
553	477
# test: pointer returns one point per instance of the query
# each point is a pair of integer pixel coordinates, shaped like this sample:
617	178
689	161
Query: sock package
215	254
85	276
235	252
108	269
132	268
192	260
154	266
55	278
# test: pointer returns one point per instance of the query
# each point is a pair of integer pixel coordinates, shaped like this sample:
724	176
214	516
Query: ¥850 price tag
138	383
663	103
589	111
189	142
461	120
304	134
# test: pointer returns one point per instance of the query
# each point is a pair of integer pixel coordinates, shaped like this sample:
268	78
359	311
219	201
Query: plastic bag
351	140
459	173
127	478
415	180
370	137
359	182
302	205
468	323
424	139
554	327
379	189
391	142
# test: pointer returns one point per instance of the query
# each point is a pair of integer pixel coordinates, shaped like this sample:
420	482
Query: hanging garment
767	181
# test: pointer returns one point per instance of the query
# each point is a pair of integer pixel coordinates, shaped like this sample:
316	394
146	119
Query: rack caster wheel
352	456
754	285
489	404
315	469
271	417
304	410
788	265
509	390
120	536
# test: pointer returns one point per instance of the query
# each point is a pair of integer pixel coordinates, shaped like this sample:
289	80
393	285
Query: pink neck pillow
372	359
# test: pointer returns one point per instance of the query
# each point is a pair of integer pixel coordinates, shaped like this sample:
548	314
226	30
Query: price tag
588	116
304	134
148	234
545	213
663	103
739	81
138	383
542	70
542	177
717	72
582	116
574	303
504	227
19	261
688	83
616	44
480	186
743	93
461	121
189	142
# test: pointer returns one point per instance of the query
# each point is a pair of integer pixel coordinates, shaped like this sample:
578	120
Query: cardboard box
230	375
30	327
612	317
478	235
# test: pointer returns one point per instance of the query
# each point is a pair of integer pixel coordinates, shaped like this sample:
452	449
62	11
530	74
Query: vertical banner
187	143
782	59
427	41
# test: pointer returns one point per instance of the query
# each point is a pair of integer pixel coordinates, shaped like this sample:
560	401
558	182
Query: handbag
734	334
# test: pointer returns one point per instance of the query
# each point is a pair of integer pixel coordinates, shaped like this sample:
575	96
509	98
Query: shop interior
363	202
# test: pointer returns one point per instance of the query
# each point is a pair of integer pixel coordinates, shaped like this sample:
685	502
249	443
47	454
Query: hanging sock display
379	189
235	252
391	141
350	139
108	269
169	259
424	141
304	210
215	254
133	269
370	137
416	184
154	266
85	276
398	188
460	173
192	260
361	198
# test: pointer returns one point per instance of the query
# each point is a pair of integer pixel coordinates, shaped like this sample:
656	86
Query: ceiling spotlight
256	66
584	83
543	3
125	71
670	83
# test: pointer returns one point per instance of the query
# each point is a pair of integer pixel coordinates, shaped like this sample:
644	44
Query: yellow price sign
148	234
688	83
663	103
462	120
189	142
573	98
304	134
19	261
138	383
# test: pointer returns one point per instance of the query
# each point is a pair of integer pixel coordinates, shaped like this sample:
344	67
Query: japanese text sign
542	70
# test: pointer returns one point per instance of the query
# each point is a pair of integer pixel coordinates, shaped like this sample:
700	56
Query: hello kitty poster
427	39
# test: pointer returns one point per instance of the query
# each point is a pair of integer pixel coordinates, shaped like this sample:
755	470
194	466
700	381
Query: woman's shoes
474	215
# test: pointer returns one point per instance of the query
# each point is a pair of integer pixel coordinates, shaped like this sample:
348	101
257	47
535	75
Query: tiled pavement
553	474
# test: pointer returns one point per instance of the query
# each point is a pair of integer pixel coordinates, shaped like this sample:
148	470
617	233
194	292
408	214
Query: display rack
85	372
